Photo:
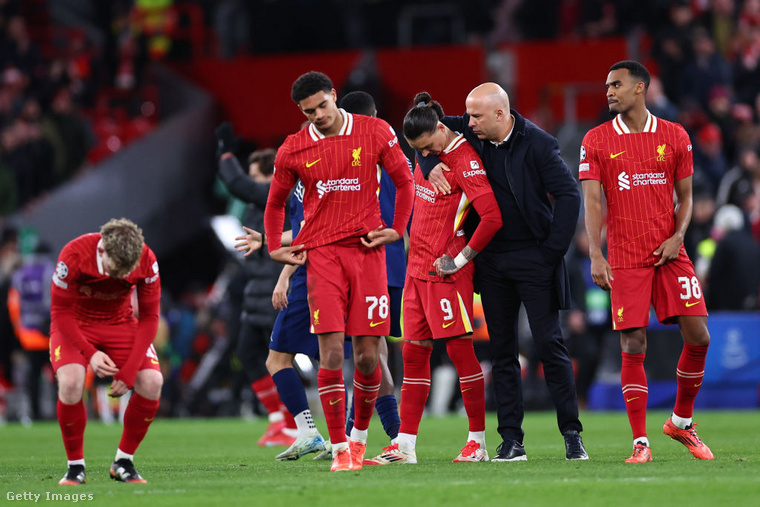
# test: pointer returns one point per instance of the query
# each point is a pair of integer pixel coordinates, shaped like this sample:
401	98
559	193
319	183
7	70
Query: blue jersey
298	280
395	255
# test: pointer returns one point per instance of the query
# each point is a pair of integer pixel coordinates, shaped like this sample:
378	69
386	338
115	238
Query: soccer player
336	158
93	323
438	294
639	160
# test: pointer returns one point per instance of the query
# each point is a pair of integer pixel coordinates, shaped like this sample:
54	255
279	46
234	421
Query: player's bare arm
438	179
249	243
102	365
289	255
601	271
670	248
446	265
380	236
280	293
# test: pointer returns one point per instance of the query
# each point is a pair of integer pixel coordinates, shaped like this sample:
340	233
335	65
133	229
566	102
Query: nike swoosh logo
333	402
148	420
444	326
153	361
465	390
370	400
375	324
697	385
628	400
616	155
309	164
692	303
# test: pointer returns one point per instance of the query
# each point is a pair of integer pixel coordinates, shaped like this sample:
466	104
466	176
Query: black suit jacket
535	172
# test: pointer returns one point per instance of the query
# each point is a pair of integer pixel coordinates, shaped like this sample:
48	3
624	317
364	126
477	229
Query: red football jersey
438	219
100	298
638	172
340	175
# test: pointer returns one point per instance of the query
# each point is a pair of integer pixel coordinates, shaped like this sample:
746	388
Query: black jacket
535	172
262	272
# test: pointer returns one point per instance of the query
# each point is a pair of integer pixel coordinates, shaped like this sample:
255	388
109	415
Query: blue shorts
291	332
396	295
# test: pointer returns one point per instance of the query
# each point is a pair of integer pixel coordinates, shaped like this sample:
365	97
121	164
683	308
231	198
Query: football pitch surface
191	462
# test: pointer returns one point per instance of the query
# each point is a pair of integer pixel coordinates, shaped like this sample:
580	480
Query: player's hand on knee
102	365
118	388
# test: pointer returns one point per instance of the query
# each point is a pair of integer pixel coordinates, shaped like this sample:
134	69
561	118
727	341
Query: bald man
524	263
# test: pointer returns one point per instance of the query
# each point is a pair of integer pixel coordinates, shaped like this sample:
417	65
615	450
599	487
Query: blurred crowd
705	60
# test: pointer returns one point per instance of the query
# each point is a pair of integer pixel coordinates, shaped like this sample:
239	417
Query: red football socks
332	394
366	388
72	419
137	418
471	382
266	392
689	375
633	378
416	386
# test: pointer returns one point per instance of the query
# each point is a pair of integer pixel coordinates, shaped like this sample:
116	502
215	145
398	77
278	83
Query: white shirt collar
621	128
508	135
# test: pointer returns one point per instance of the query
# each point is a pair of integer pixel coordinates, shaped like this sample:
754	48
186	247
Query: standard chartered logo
339	185
640	180
624	181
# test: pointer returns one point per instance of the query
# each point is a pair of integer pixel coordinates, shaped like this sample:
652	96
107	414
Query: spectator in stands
672	45
705	70
658	103
734	273
737	183
709	161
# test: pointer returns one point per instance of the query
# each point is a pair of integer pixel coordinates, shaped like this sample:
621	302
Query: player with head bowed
93	324
438	293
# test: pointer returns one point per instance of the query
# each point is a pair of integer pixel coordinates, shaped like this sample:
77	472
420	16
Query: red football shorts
672	289
437	309
116	340
348	289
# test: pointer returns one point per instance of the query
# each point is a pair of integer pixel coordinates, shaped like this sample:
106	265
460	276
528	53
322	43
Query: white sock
123	455
305	424
406	442
76	462
641	440
680	422
276	417
342	446
359	435
479	437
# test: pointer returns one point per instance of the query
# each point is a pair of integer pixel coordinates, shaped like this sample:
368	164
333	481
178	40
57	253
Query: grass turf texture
216	462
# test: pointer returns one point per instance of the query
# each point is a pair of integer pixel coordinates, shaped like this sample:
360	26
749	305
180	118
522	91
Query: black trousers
253	348
505	280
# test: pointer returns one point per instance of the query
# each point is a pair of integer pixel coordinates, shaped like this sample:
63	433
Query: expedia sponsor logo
425	193
340	185
469	174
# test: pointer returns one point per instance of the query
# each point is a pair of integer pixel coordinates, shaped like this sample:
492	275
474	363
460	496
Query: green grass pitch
216	462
